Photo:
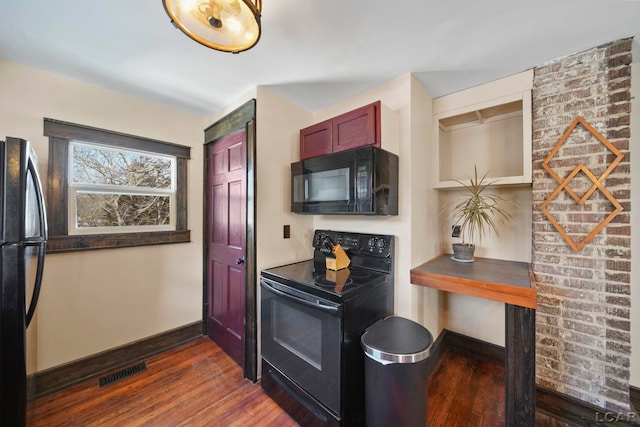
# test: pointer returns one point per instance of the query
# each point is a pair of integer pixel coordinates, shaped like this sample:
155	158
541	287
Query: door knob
240	260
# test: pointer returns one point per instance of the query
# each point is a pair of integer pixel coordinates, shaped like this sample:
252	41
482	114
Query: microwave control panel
363	182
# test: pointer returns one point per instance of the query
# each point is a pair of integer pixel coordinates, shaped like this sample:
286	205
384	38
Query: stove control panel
376	245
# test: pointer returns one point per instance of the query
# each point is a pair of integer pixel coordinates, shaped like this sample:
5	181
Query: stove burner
326	283
360	274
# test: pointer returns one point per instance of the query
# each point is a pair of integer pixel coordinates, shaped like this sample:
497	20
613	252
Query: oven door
301	337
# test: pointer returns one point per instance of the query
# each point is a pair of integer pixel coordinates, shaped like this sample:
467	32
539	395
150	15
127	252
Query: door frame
242	117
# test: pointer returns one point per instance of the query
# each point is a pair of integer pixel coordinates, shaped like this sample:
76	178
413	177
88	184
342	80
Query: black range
311	322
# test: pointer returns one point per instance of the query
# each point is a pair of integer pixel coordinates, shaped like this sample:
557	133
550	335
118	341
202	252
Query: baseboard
558	406
474	347
572	411
435	355
635	397
63	376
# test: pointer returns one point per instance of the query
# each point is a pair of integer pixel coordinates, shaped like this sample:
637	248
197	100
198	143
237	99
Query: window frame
60	136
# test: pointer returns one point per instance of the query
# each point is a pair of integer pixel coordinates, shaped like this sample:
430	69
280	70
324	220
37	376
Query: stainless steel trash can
397	351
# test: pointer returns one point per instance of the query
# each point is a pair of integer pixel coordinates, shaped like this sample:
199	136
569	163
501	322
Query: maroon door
226	232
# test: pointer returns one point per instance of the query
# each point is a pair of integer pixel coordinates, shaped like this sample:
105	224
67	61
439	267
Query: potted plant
475	214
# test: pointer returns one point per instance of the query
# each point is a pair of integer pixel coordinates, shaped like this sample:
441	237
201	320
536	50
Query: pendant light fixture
226	25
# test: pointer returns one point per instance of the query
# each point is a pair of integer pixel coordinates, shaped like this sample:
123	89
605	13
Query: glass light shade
226	25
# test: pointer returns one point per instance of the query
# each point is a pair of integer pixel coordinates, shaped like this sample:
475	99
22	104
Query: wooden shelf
510	282
501	181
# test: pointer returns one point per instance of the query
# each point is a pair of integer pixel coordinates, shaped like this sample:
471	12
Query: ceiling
314	53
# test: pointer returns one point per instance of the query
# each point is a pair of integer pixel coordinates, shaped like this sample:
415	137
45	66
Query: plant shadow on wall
475	214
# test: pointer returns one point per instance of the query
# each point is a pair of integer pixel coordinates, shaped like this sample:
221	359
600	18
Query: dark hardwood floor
196	384
465	391
199	385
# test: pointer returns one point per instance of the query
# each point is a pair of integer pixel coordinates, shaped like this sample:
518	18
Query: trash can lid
395	339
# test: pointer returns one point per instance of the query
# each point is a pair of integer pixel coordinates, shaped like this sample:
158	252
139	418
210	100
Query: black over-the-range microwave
361	181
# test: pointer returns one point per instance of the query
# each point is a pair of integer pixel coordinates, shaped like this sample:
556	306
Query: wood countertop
510	282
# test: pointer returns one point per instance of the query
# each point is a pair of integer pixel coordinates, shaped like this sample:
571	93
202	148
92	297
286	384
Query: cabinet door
315	140
357	128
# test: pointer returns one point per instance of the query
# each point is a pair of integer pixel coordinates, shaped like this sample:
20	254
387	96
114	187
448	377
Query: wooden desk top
510	282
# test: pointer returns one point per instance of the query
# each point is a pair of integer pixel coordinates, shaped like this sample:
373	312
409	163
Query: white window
115	190
108	189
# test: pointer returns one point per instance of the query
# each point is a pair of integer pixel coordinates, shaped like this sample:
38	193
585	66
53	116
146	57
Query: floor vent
122	374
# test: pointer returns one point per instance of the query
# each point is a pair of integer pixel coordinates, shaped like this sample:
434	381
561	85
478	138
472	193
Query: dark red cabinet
315	140
357	128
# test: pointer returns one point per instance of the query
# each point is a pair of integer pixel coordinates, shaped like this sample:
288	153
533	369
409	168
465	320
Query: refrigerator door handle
42	212
42	246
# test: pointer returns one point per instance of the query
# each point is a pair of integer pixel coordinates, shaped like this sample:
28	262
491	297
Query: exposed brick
617	277
582	82
616	288
623	325
620	405
617	73
617	312
551	364
579	105
584	351
619	61
622	96
619	336
616	371
614	122
552	320
582	325
619	241
624	132
618	347
579	338
584	306
578	315
613	264
614	109
548	351
620	84
617	47
546	69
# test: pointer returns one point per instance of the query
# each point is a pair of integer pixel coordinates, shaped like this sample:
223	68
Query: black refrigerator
23	240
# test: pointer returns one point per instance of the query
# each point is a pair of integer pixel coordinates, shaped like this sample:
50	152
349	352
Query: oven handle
315	303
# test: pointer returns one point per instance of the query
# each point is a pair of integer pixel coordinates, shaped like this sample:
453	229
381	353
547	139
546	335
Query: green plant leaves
477	213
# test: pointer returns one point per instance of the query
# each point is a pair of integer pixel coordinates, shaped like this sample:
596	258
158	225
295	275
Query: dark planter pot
463	252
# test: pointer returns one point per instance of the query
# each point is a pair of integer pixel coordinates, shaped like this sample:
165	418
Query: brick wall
582	326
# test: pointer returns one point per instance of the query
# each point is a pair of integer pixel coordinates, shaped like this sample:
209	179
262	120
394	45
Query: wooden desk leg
520	346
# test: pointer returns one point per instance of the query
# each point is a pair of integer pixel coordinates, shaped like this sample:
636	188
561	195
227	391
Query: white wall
424	202
96	300
277	146
406	126
278	123
635	220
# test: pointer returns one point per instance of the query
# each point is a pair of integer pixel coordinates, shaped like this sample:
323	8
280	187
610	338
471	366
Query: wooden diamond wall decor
597	184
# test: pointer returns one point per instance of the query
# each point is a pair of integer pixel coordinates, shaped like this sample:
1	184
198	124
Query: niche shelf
488	126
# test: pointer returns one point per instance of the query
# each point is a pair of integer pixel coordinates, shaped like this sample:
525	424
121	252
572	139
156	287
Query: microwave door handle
317	305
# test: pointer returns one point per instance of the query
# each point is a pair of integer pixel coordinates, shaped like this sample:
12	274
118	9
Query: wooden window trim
60	134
